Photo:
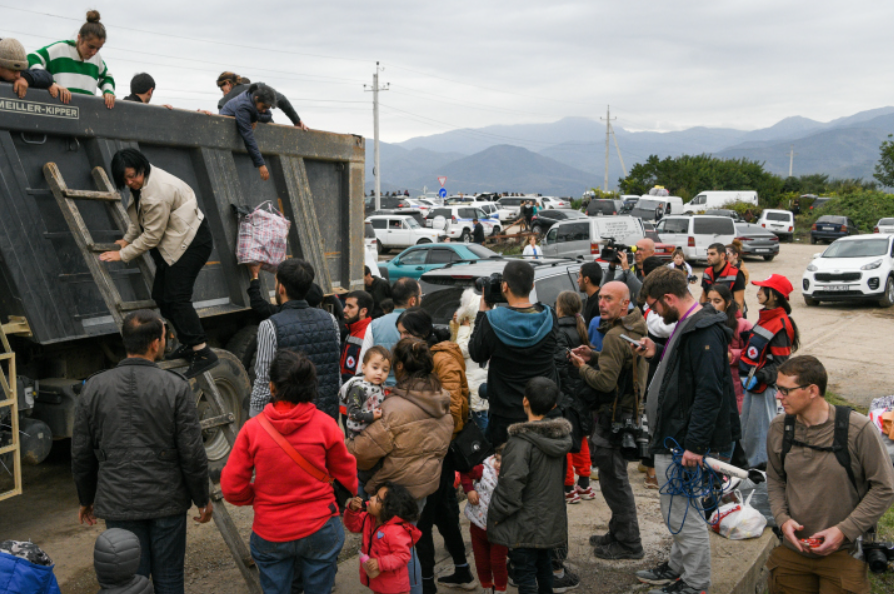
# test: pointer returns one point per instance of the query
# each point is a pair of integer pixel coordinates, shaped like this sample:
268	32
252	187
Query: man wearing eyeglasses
821	505
691	401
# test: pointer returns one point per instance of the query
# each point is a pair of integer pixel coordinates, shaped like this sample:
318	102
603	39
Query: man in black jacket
137	453
691	405
589	278
380	290
477	232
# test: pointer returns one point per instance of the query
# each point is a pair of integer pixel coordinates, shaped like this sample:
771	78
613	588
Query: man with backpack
829	478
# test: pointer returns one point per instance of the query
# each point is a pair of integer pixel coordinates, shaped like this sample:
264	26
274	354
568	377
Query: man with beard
719	271
358	305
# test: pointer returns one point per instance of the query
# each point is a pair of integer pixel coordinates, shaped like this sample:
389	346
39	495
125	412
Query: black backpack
839	441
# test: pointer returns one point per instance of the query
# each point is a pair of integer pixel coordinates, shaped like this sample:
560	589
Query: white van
583	237
710	200
780	222
653	208
693	234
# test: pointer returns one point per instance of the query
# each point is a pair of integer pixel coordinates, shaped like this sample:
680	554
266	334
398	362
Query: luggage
263	237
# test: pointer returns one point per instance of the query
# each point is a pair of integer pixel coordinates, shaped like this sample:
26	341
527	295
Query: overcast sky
661	65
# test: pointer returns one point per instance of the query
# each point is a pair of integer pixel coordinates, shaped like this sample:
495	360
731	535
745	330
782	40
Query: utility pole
608	131
791	160
376	172
620	158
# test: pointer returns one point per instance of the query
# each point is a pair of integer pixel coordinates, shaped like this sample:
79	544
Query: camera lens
877	560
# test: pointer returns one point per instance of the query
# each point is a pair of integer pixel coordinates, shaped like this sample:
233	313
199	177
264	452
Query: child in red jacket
388	537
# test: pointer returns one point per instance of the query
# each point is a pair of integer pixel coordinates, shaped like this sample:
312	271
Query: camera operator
691	400
813	495
619	269
619	382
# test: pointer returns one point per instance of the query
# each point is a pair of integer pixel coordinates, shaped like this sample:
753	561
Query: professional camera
491	287
634	438
877	555
611	251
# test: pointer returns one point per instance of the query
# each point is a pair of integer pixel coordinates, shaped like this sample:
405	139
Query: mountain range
568	156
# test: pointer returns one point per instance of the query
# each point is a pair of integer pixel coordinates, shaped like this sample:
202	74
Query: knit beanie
12	55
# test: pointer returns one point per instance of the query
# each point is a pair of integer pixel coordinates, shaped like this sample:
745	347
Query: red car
665	251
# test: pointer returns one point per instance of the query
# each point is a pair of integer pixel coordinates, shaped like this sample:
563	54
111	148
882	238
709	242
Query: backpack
839	441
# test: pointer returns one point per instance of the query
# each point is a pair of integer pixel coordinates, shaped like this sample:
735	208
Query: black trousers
441	510
615	486
173	286
497	432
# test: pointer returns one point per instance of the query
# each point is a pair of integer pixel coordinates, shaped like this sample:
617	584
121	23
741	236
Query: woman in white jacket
460	332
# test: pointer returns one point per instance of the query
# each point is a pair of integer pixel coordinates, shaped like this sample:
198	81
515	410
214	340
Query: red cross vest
727	276
758	350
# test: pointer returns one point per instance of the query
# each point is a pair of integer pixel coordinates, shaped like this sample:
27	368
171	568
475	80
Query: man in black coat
380	290
477	232
137	453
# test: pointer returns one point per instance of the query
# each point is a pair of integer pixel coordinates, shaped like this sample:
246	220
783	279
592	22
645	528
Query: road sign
442	193
442	180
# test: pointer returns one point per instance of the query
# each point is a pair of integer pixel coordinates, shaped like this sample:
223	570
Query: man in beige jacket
165	221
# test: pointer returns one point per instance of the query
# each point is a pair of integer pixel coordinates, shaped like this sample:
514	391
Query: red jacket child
390	544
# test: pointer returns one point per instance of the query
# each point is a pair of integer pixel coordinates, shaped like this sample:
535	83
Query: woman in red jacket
296	530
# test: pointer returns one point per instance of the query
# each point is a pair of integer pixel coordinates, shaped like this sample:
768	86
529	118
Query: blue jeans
313	559
532	570
480	419
162	549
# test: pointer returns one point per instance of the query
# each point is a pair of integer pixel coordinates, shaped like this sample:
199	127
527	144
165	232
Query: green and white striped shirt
61	59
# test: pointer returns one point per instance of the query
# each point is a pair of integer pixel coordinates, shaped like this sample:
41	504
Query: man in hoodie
619	379
527	511
518	341
691	401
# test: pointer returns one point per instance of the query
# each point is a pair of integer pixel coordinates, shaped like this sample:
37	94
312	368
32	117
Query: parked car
458	221
553	202
724	212
780	222
409	211
551	277
653	208
400	231
757	241
831	227
584	237
884	226
852	268
417	260
545	219
385	203
665	251
694	233
603	207
509	205
418	204
818	202
710	200
370	249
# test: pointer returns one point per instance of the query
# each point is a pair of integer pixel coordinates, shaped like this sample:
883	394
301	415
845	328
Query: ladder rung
135	305
103	247
90	195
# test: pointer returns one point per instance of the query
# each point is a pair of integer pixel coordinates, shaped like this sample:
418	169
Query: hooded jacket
390	544
450	367
517	347
243	108
411	440
281	101
116	559
696	400
24	567
527	509
288	502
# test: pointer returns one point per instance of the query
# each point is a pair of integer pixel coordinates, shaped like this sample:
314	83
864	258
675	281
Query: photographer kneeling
619	380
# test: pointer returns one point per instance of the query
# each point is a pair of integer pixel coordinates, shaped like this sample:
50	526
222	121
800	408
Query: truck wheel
810	301
888	299
36	440
232	382
244	344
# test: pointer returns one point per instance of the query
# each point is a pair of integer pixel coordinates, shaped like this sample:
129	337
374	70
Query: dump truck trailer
60	307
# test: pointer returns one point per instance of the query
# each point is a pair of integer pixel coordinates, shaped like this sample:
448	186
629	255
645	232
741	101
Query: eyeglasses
786	391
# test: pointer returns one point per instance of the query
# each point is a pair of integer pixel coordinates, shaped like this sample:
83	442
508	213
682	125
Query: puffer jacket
528	508
25	567
567	338
391	544
411	440
137	450
116	559
485	481
450	367
475	374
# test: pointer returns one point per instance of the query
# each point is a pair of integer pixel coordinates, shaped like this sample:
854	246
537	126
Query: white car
553	202
694	233
884	226
856	268
780	222
418	204
458	221
400	231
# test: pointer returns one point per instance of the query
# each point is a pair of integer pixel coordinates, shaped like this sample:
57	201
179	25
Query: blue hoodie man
518	343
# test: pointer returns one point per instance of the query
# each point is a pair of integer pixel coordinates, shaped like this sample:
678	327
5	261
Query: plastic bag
738	521
263	237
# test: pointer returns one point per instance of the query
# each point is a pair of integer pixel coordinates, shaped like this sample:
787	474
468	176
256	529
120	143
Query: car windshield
862	248
480	251
411	223
886	222
779	216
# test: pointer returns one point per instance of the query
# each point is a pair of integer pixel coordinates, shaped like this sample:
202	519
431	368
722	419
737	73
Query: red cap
778	282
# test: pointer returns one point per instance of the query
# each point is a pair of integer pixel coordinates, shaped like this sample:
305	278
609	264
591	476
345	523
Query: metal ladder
9	399
67	200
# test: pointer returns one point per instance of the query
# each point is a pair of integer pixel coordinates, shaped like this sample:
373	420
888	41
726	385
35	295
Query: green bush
865	208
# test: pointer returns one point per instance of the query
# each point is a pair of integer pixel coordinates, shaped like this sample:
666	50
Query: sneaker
569	581
678	587
572	497
586	494
201	362
614	551
181	352
651	482
599	540
658	576
594	473
461	578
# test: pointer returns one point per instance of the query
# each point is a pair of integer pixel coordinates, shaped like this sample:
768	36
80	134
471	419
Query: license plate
762	251
827	228
836	287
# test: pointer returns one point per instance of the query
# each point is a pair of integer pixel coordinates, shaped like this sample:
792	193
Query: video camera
491	288
634	438
611	251
877	555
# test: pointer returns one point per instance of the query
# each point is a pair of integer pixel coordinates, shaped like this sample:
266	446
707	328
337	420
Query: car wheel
496	230
379	247
423	241
810	301
466	236
812	240
888	299
770	257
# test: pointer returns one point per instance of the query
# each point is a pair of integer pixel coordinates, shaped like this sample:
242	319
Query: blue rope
695	484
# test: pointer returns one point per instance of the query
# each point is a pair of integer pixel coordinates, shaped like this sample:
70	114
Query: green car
417	260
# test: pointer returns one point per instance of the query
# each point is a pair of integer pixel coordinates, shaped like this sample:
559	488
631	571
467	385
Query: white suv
856	268
694	233
780	222
400	231
458	221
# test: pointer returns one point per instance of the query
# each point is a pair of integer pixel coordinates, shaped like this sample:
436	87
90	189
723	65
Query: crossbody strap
292	452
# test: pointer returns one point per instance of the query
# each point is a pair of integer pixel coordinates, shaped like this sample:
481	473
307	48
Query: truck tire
36	440
244	344
232	382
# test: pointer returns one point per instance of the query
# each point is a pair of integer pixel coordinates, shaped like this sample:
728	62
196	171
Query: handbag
470	448
263	237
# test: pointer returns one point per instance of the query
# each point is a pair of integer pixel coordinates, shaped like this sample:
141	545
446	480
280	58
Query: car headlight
813	268
871	265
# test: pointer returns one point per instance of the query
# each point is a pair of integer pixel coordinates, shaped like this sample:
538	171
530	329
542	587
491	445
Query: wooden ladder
67	200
